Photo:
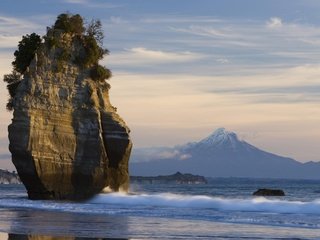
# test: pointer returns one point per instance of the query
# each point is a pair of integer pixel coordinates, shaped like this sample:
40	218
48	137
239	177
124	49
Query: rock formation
268	192
66	139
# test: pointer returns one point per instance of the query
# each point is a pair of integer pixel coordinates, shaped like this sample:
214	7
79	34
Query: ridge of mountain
221	154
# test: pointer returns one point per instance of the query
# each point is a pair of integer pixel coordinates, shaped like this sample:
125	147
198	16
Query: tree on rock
26	50
88	39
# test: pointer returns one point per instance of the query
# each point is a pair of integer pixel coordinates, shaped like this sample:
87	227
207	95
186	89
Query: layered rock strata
66	139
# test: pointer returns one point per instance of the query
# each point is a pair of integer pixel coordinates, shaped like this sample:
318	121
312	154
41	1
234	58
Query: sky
183	68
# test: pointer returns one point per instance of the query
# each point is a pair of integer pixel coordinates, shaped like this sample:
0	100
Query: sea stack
67	140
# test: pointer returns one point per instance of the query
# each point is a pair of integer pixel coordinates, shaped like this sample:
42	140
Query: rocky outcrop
177	178
66	139
269	192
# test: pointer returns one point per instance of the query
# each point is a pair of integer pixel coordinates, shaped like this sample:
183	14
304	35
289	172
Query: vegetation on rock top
84	50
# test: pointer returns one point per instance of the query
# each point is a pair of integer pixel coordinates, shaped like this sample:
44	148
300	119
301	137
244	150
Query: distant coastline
7	177
177	178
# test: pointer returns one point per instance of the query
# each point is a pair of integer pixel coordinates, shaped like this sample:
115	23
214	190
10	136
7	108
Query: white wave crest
259	204
117	203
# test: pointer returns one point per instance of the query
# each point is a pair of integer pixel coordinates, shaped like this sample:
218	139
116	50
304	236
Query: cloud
93	4
77	1
181	19
275	95
184	156
11	26
295	80
207	31
117	20
157	153
164	56
246	42
305	89
274	23
140	55
221	36
9	41
222	60
296	85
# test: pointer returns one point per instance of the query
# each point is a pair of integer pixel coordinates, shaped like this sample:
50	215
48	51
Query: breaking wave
116	202
259	204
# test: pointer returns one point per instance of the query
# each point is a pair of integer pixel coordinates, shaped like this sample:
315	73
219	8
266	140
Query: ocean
222	209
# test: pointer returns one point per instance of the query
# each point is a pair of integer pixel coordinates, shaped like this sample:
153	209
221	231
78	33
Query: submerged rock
66	139
269	192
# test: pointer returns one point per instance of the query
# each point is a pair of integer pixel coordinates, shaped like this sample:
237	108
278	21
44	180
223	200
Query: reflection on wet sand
12	236
36	224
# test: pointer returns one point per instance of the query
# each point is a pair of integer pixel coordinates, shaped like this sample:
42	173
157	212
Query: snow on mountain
221	154
219	137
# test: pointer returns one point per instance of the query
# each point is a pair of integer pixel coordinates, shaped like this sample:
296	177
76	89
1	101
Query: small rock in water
269	192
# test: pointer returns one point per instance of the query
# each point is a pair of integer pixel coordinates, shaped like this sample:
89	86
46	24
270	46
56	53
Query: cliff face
66	139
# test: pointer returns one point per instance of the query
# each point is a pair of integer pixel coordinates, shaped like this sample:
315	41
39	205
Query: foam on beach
259	204
117	201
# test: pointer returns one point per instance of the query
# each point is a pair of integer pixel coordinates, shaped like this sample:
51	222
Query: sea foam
106	203
258	204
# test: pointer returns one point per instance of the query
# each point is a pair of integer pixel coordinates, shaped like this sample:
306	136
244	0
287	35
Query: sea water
222	209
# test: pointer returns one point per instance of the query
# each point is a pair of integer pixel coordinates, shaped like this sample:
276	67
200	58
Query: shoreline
161	228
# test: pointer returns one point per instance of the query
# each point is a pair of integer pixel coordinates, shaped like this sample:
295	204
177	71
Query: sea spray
168	200
259	204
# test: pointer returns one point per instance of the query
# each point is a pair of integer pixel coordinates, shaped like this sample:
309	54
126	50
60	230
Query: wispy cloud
13	25
77	1
93	4
268	42
275	95
274	23
164	56
162	153
12	28
9	41
287	86
117	20
206	31
223	60
221	35
139	55
180	19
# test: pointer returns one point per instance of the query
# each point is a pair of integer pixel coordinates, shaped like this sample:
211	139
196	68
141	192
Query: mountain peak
220	136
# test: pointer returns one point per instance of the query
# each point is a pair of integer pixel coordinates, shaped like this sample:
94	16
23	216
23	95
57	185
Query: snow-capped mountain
221	154
220	137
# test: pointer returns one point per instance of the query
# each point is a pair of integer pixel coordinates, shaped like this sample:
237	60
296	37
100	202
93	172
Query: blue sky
183	68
